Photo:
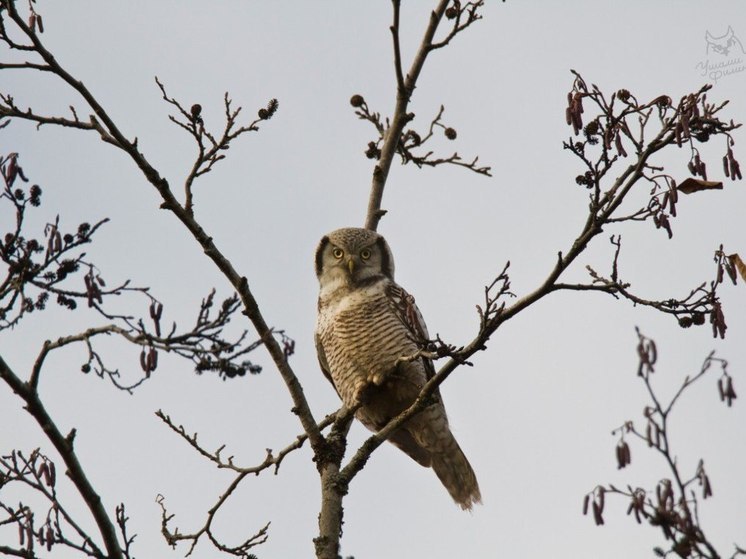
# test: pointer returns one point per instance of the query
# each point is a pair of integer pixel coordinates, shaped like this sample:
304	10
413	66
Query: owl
367	331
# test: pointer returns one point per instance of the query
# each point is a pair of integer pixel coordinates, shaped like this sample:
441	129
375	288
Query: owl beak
351	265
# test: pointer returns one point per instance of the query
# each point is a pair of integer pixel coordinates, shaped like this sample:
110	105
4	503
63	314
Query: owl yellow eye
365	254
338	253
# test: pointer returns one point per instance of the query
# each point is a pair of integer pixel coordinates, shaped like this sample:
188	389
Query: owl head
353	256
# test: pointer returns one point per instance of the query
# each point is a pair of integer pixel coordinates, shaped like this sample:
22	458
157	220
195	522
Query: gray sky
535	412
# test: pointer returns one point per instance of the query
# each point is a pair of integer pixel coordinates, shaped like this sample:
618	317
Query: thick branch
64	446
239	282
399	118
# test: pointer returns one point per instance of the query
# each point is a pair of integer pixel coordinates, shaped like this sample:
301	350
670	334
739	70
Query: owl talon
362	395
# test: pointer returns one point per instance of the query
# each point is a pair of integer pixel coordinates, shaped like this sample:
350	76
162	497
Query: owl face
353	256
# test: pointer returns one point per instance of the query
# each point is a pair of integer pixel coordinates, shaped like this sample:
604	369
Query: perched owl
365	324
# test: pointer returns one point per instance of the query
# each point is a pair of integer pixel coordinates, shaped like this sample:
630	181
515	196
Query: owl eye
338	253
365	254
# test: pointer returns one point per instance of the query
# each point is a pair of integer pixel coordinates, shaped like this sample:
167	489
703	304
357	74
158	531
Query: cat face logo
724	44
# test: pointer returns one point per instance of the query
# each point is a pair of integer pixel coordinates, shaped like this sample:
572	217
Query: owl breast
363	337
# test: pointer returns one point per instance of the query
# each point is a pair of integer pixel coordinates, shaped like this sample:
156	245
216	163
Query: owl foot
377	379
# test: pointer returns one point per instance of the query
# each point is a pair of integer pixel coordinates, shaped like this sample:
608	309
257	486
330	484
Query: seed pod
648	435
667	494
672	199
619	147
685	122
597	514
641	352
726	166
674	191
652	352
47	475
706	488
730	393
12	171
152	359
586	501
601	498
735	171
721	391
32	22
50	242
143	360
52	474
50	537
42	472
40	23
663	221
626	454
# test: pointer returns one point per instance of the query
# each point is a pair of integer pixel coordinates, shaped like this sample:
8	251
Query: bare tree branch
621	124
400	117
674	507
64	446
239	283
242	472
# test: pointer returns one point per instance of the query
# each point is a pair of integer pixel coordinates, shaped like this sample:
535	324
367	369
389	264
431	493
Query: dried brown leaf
737	262
689	185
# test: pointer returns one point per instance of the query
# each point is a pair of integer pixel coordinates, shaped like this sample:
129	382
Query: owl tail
457	476
431	431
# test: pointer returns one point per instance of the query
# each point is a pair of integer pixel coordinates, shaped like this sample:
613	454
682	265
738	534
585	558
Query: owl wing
323	363
408	313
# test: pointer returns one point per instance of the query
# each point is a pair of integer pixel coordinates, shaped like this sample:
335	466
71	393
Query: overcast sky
534	414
